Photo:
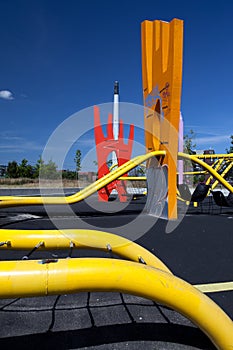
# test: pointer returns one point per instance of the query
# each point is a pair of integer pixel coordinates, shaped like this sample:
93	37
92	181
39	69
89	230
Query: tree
230	150
38	167
46	171
49	171
77	160
189	145
13	170
25	170
69	174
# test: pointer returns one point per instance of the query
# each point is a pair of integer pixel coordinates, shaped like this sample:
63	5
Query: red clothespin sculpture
106	145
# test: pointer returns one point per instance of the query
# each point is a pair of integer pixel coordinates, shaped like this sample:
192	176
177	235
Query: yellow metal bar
46	277
86	192
209	168
194	172
223	174
81	239
220	155
222	160
216	168
133	178
216	163
113	166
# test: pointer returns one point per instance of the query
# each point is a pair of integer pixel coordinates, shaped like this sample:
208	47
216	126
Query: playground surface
199	251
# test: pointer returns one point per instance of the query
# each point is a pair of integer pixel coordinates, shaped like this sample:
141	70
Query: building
211	160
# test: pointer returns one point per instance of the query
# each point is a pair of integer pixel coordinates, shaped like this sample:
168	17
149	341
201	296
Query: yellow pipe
81	239
209	168
216	168
86	192
220	155
216	163
49	277
132	178
113	166
194	172
223	174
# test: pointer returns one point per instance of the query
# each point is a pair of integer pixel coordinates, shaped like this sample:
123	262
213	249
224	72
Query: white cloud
17	144
10	138
6	95
212	139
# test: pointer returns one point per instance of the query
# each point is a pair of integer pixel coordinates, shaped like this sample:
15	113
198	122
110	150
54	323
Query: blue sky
59	57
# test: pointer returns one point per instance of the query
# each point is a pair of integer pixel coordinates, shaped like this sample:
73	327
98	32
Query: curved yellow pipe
116	165
214	156
207	167
216	168
133	178
47	277
113	166
7	201
223	174
80	239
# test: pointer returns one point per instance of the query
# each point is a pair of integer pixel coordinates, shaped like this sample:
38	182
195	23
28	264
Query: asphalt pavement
198	250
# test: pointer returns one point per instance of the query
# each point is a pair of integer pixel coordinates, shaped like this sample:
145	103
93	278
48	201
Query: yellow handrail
223	174
133	178
8	201
80	239
207	167
216	155
49	277
216	168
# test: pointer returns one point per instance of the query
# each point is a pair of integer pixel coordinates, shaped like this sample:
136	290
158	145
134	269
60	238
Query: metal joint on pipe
80	239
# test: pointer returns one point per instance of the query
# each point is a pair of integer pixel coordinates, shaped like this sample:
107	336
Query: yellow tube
223	174
209	168
132	178
216	168
7	201
214	156
195	172
82	239
39	278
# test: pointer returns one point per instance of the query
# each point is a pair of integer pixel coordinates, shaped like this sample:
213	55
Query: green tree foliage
189	144
25	170
12	170
48	171
41	169
77	160
69	174
230	150
39	165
